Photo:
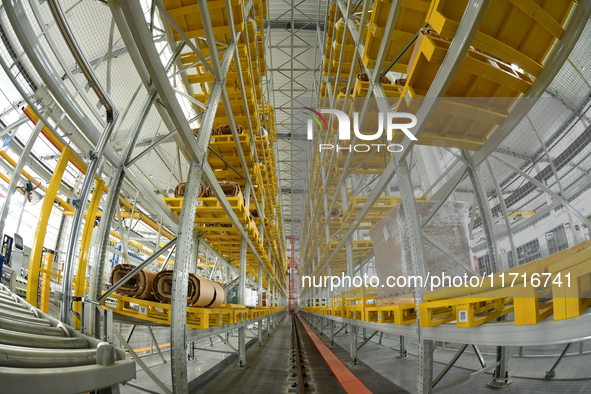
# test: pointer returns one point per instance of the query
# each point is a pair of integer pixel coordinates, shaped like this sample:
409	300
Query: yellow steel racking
348	50
251	57
197	318
358	303
491	84
531	300
187	15
521	32
411	17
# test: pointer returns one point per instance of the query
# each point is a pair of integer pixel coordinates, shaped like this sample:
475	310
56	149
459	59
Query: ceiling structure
296	42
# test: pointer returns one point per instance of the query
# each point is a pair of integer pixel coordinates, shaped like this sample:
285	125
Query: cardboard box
449	227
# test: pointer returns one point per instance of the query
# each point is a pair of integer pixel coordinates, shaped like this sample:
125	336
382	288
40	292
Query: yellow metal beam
46	281
80	281
129	207
76	161
62	203
37	249
124	214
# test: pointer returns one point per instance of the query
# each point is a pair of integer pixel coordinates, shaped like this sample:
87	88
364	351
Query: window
484	264
525	253
556	240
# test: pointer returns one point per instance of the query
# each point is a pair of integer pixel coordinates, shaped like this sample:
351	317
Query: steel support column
485	214
402	350
353	345
95	157
181	268
15	177
242	286
505	213
260	294
80	283
500	376
418	258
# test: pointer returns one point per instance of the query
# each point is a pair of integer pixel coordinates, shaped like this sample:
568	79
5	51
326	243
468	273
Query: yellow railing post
80	280
46	282
37	249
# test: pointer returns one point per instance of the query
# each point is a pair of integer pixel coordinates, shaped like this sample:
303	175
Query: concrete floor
373	380
203	362
269	368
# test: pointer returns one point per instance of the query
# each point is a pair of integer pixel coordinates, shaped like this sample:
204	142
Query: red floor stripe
350	383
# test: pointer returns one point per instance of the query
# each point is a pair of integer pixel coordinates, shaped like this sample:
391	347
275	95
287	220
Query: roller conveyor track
547	332
40	354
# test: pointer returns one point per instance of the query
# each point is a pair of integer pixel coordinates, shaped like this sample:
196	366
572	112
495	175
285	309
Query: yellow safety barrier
40	231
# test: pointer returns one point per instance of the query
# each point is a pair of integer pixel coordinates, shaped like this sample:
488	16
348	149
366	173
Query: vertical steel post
505	213
15	178
260	323
353	343
183	262
501	374
485	213
242	287
402	353
80	284
417	251
350	273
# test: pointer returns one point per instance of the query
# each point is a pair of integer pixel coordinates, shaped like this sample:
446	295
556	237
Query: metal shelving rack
267	250
333	183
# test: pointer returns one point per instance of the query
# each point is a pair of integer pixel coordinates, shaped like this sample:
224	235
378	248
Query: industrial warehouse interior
315	196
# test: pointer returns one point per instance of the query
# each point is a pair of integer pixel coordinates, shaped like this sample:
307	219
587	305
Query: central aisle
269	368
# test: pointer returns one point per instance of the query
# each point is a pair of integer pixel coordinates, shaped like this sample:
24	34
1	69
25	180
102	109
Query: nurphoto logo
391	120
